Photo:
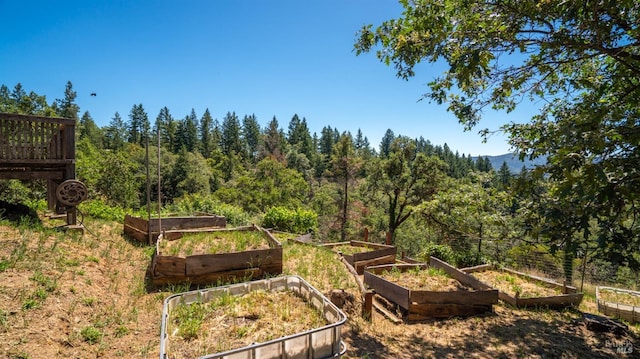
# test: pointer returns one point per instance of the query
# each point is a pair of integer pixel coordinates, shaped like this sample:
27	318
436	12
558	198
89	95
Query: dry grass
429	279
620	297
214	243
231	322
348	249
515	285
63	295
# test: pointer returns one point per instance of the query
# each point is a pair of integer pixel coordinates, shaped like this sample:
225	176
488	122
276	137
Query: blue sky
268	58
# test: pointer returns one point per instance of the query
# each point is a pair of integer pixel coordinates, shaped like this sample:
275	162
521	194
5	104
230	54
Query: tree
187	132
405	179
343	166
251	137
273	144
115	133
168	130
231	141
300	137
88	129
385	143
473	209
138	128
580	58
67	107
269	184
504	176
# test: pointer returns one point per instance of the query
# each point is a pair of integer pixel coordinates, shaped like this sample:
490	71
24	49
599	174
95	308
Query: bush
97	208
288	220
440	251
193	203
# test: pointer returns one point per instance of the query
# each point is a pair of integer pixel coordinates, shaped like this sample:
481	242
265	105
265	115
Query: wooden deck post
367	306
366	234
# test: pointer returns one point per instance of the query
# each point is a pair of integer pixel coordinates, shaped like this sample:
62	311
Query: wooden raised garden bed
524	290
362	254
434	290
216	255
138	228
282	317
619	303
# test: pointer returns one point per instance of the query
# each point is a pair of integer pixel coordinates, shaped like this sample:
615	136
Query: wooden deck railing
33	140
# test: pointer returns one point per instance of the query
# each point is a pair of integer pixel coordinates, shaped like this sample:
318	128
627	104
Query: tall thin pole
148	189
159	191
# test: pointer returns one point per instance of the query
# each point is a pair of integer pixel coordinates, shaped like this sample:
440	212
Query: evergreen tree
504	176
206	137
344	165
251	137
187	132
273	144
88	129
385	143
67	107
138	128
168	129
115	133
231	142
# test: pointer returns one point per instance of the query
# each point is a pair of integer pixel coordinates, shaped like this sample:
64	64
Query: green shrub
288	220
440	251
193	203
97	208
91	334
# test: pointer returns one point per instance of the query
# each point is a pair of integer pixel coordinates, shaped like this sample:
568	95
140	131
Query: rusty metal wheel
71	192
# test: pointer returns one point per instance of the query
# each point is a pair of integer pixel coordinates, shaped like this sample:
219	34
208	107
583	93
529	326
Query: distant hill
513	162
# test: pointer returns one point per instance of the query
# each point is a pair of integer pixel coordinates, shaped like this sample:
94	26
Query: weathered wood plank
457	274
361	265
479	268
171	223
545	281
557	301
428	311
211	263
168	266
483	297
135	233
136	222
386	289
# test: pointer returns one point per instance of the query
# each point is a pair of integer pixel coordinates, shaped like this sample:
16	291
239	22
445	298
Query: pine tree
231	142
67	107
115	133
168	128
385	143
89	130
251	137
206	137
138	126
273	144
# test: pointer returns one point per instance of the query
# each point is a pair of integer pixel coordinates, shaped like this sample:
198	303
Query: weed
4	265
40	294
91	334
4	321
89	301
93	259
49	284
189	318
121	331
71	262
30	303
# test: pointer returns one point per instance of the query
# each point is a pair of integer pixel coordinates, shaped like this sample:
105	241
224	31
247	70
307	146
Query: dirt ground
67	295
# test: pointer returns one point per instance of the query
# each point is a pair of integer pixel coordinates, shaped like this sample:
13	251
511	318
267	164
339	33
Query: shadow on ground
523	335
